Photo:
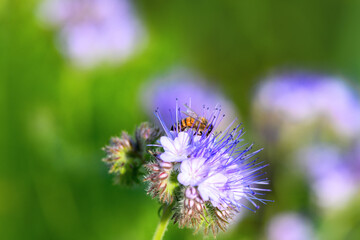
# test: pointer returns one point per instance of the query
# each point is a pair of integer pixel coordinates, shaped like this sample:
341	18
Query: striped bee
199	124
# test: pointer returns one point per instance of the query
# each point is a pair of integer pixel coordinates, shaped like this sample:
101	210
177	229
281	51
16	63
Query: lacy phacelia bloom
297	100
209	173
94	31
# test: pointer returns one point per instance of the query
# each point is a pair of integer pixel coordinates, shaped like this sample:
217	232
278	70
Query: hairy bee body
200	125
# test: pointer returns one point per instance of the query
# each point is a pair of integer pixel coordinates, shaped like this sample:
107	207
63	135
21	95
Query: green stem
164	220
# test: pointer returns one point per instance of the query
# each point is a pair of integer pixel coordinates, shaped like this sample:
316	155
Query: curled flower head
145	134
125	155
215	176
119	158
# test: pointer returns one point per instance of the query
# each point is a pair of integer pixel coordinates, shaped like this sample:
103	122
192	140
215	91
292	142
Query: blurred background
73	73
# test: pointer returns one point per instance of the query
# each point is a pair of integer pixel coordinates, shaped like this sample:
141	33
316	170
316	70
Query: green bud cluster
126	155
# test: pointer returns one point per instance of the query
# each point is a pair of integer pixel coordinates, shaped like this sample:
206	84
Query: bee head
209	128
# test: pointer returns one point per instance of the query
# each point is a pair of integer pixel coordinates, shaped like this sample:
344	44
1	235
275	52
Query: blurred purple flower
330	175
298	98
188	88
353	157
94	31
290	226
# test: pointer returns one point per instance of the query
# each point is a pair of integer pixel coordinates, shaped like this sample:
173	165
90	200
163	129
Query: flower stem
164	220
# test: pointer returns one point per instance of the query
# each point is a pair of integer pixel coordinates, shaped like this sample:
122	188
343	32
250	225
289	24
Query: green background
55	117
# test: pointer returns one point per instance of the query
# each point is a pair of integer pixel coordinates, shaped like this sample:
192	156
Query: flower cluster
209	174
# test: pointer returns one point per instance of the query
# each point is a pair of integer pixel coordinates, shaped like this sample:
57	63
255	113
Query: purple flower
94	31
190	89
214	172
290	226
330	174
296	98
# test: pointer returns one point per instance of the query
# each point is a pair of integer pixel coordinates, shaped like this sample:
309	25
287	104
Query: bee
199	124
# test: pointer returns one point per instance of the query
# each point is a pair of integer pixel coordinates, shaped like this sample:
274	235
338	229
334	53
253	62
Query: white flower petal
184	179
204	191
192	171
182	140
180	158
217	179
197	164
175	150
210	189
185	166
168	144
168	157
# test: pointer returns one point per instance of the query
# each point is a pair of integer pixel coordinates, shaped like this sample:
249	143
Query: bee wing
189	112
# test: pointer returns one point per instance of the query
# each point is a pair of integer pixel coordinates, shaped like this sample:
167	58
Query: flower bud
120	159
147	132
195	213
162	182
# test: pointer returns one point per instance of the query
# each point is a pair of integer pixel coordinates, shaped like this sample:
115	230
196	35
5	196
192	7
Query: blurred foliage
55	118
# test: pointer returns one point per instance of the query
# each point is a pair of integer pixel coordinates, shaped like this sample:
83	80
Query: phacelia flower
189	88
329	173
298	100
290	226
214	175
94	31
175	150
